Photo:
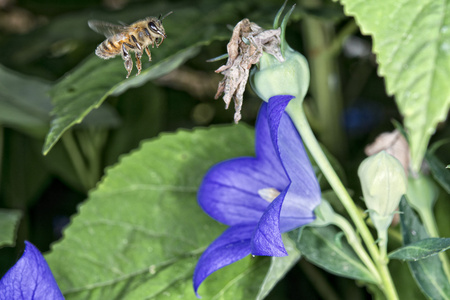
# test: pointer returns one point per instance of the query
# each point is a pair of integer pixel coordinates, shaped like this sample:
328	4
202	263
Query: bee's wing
106	28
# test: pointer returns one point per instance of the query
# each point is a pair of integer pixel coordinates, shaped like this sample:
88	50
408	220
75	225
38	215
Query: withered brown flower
247	44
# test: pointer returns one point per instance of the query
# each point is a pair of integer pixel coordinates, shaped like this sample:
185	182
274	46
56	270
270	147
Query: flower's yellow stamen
269	194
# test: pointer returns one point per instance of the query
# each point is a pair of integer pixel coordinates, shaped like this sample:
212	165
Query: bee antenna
162	18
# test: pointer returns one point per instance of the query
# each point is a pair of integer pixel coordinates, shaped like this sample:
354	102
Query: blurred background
42	42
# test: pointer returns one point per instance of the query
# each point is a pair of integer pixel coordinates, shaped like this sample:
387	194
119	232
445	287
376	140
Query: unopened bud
422	193
289	77
383	182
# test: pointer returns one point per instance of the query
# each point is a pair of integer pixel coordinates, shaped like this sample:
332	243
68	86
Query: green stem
325	88
355	243
393	234
76	158
422	195
298	117
91	141
429	222
336	45
382	244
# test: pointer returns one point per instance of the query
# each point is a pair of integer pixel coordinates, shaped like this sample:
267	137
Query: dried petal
246	46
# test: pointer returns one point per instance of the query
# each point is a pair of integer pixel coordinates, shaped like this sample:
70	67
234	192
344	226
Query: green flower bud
422	193
290	77
383	182
325	214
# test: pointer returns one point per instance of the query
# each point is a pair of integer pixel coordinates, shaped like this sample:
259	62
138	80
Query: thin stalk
393	234
325	88
336	45
429	222
298	117
76	158
382	244
90	142
355	243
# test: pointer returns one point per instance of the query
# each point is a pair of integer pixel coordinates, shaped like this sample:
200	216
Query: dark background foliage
43	41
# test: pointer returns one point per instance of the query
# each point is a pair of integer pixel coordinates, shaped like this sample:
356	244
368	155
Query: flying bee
123	39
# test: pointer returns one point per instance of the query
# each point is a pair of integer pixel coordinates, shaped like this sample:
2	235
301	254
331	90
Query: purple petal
266	153
229	191
303	194
30	278
266	240
264	147
275	111
231	246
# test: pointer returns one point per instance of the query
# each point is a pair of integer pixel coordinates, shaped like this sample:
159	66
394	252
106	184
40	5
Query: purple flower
259	197
30	278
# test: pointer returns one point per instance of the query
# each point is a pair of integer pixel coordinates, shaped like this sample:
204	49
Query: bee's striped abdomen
108	49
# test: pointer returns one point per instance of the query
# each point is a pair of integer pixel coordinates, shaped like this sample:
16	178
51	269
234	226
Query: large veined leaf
141	232
411	39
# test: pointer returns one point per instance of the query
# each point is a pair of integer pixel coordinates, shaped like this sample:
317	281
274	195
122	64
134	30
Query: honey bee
123	39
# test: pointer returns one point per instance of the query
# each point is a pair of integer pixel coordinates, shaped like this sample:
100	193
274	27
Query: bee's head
155	26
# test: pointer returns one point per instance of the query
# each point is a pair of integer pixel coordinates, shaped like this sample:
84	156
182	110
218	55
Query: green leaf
25	105
411	41
141	232
9	220
401	275
440	173
427	272
279	266
320	246
421	249
188	29
87	87
24	102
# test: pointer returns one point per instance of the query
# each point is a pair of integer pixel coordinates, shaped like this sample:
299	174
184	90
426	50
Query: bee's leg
148	53
138	62
127	60
128	65
160	42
